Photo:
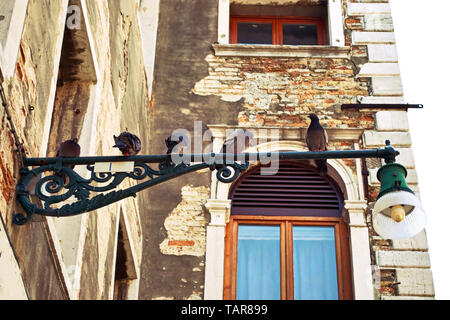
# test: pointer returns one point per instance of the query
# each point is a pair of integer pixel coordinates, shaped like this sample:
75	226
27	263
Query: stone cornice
245	50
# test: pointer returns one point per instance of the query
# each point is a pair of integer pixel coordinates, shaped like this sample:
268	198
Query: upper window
277	30
318	22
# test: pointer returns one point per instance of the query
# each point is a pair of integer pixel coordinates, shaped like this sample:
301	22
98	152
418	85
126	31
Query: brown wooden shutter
294	190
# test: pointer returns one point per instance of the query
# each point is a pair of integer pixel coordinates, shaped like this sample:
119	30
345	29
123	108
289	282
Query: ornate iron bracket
64	184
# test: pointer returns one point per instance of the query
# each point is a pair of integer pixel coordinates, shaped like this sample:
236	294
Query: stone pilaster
215	247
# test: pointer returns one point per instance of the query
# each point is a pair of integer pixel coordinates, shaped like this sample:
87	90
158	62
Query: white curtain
258	263
315	274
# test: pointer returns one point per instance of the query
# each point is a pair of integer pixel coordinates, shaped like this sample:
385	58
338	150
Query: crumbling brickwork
186	224
283	91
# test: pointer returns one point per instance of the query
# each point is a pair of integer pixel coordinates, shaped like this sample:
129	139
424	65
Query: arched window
286	238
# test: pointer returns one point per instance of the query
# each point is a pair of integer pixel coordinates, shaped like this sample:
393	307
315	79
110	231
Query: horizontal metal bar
381	106
221	157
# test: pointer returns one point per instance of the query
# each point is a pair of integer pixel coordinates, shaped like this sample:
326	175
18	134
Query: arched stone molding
343	172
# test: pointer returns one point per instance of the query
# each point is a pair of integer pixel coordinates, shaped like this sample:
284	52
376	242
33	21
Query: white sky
421	31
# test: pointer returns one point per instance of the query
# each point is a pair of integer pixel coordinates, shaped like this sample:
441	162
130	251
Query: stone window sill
244	50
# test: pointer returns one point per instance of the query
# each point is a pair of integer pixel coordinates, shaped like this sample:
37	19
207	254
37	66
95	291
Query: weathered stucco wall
124	102
74	257
182	46
31	85
248	91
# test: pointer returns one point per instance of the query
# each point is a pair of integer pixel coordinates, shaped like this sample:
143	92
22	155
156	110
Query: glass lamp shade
411	225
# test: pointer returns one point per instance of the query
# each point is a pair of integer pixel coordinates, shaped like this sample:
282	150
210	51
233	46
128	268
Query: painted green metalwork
393	178
98	190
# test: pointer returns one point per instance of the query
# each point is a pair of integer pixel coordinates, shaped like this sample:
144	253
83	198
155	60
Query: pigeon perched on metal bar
176	144
68	149
237	141
317	140
128	143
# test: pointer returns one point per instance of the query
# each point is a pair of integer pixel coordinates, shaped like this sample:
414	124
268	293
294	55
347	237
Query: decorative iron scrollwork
57	184
61	184
226	175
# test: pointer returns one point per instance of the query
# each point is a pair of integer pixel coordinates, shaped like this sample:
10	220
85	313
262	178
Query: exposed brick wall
186	224
283	91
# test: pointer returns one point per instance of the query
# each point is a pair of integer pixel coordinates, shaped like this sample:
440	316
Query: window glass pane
315	273
258	262
254	33
297	34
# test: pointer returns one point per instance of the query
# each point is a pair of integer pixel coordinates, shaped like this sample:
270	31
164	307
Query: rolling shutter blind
292	190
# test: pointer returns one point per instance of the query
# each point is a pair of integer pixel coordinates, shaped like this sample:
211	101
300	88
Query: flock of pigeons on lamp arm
239	140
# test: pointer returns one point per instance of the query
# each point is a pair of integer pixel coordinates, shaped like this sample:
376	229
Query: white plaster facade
11	283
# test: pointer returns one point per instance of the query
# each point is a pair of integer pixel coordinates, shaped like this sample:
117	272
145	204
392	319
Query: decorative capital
356	209
219	211
355	205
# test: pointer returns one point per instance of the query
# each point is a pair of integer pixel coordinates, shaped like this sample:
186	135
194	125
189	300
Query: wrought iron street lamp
107	173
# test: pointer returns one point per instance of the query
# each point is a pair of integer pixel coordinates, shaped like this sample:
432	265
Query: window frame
343	267
335	31
277	26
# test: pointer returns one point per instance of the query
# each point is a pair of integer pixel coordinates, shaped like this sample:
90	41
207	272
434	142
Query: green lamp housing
394	192
393	178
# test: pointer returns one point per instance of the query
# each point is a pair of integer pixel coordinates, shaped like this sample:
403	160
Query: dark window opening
125	272
76	77
302	24
254	33
300	34
273	30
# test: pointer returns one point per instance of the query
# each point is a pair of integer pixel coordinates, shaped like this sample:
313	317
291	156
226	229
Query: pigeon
316	140
178	145
68	149
128	143
237	141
